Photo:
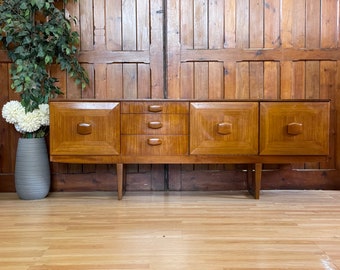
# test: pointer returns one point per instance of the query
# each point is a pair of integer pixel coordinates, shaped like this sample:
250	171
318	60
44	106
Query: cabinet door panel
85	128
294	128
224	128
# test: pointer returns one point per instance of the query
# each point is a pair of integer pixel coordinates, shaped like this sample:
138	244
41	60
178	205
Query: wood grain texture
191	230
173	49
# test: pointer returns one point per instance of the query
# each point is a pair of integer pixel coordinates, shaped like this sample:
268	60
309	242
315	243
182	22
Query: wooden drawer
224	128
171	124
155	107
85	128
162	145
294	128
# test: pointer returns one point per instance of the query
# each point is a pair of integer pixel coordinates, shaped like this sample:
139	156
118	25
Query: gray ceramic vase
32	169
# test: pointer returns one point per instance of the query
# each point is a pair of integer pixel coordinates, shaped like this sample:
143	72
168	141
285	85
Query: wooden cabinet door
85	128
224	128
294	128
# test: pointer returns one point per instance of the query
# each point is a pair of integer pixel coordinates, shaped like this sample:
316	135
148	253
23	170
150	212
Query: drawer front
155	107
294	128
162	124
85	128
224	128
141	145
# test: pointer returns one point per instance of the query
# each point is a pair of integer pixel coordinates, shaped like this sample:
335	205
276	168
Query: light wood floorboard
173	230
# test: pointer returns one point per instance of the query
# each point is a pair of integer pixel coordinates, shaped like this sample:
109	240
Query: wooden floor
199	231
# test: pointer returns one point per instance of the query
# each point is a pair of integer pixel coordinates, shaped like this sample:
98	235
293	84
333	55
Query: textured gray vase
32	169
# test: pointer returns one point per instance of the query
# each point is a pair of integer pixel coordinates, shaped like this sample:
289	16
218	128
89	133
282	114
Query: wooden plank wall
198	49
252	49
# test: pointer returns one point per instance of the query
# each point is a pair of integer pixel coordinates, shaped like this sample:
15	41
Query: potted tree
36	35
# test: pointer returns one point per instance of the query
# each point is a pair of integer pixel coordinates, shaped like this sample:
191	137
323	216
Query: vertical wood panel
286	79
230	80
242	23
99	24
271	80
143	23
299	79
216	81
157	10
312	79
201	80
100	81
272	35
256	80
129	25
230	23
187	80
187	24
174	48
329	24
74	91
313	13
216	23
86	25
115	81
287	23
143	82
299	24
113	24
327	78
201	24
256	24
130	81
157	177
242	80
88	92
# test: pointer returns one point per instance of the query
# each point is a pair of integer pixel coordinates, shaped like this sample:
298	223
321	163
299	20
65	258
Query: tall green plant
37	34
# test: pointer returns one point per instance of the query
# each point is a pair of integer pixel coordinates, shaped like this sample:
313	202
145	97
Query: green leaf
23	6
40	3
48	59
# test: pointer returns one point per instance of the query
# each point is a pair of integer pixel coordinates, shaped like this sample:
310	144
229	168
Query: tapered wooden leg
120	180
258	175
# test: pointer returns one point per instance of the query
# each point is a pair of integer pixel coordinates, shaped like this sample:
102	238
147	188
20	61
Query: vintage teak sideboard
253	132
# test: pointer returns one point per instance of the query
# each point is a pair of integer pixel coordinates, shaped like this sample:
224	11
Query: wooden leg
120	177
258	175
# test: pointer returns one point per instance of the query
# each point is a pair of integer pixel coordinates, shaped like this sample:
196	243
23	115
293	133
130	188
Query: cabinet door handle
155	125
294	128
155	108
84	128
154	141
224	128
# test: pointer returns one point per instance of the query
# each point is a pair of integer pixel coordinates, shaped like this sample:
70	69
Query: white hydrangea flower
18	128
45	114
30	121
12	111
